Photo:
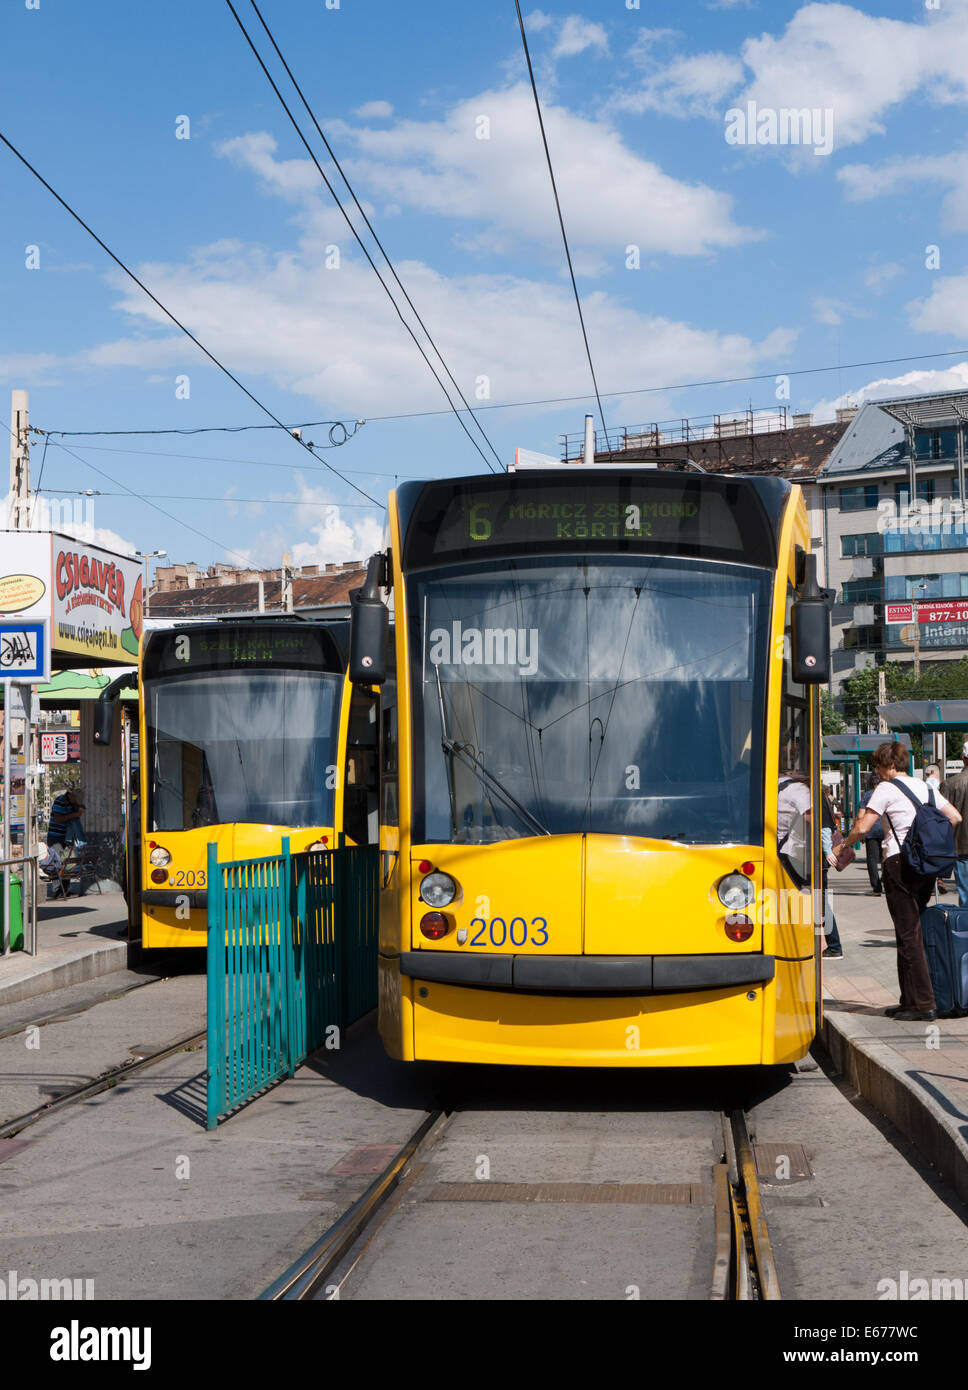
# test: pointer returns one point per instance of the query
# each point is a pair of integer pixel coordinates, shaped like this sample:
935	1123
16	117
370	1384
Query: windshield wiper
487	779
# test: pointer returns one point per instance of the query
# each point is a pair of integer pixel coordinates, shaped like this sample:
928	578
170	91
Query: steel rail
763	1265
304	1276
68	1012
91	1088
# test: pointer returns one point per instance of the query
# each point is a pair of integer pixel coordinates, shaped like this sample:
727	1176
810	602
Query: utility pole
286	583
881	699
19	519
917	631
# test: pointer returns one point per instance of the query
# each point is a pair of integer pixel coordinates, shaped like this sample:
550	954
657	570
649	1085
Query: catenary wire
168	314
561	220
373	234
335	196
171	516
571	400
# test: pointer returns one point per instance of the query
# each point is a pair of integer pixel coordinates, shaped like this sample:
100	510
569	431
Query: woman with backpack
917	823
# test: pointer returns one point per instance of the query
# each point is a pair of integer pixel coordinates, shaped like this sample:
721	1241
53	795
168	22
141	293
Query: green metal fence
292	954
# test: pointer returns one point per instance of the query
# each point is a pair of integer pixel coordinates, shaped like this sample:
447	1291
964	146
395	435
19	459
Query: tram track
743	1266
107	1081
70	1011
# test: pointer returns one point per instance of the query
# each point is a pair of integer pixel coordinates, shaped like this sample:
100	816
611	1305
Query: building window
862	591
858	499
865	638
924	490
935	444
864	543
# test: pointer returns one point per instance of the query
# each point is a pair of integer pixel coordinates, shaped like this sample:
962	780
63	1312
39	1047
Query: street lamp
144	556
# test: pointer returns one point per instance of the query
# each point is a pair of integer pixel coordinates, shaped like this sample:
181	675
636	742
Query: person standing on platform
908	893
956	790
873	844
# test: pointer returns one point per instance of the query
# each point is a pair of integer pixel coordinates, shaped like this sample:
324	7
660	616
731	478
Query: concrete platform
77	939
915	1074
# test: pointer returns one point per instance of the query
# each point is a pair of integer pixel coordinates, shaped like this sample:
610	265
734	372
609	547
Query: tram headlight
438	890
736	891
159	857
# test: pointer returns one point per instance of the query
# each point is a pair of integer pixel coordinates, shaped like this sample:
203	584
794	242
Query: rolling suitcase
945	931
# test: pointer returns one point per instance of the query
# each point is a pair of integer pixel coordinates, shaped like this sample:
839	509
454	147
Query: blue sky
752	258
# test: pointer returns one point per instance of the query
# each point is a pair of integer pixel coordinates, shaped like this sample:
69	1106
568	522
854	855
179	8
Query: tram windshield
242	746
589	694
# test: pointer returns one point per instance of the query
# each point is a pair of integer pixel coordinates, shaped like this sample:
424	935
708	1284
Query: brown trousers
908	894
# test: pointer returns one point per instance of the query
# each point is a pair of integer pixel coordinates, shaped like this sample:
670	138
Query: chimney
802	418
845	414
589	454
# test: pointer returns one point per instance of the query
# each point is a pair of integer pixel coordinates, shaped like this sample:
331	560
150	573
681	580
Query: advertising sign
60	747
92	598
948	610
97	601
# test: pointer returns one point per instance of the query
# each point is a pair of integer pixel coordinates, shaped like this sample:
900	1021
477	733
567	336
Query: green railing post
214	1023
287	942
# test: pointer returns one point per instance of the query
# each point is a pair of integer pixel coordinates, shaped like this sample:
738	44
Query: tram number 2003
518	932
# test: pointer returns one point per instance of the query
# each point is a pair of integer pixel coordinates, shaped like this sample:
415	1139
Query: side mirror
810	630
107	703
104	719
369	627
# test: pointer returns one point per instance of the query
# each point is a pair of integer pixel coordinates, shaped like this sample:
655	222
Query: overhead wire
370	228
171	516
561	220
177	322
567	400
335	196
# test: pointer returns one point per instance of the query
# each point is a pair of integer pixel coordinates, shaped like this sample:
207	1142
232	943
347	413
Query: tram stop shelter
845	751
935	717
66	607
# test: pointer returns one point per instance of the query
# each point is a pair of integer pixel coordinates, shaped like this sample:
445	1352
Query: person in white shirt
908	893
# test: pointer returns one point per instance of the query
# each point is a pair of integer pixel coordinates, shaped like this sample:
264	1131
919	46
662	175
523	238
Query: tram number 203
517	932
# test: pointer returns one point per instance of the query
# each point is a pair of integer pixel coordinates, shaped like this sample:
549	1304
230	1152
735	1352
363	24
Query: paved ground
77	939
170	1211
915	1073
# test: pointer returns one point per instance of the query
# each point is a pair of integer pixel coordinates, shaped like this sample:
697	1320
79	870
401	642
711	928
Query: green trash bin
16	913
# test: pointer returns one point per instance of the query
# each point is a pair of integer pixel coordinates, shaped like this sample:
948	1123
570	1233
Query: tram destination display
672	513
235	646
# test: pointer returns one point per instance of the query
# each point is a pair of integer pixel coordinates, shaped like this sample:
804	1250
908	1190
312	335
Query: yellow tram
248	731
600	680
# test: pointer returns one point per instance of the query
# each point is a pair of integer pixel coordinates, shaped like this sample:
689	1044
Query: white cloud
374	111
48	512
576	35
331	337
945	310
880	275
611	196
866	181
918	382
28	368
693	86
335	533
830	311
829	57
832	56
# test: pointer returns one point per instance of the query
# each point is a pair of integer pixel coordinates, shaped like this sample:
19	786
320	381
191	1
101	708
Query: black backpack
929	848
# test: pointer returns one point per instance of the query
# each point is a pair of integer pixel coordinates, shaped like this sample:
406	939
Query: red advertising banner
900	613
